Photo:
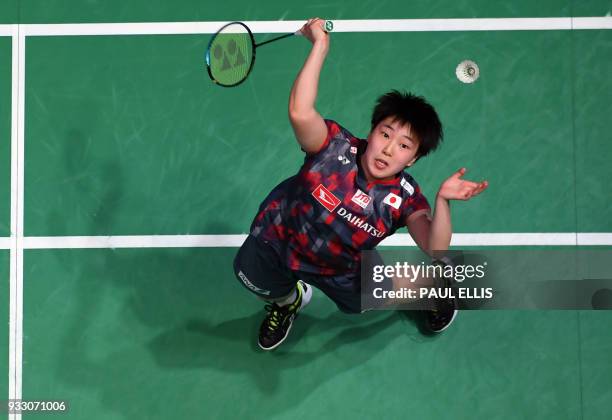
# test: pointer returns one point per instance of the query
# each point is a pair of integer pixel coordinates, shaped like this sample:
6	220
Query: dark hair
414	110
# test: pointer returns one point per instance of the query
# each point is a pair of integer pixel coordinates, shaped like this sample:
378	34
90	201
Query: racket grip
328	26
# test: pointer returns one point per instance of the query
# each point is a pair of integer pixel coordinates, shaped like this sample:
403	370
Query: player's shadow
230	346
183	310
192	312
178	310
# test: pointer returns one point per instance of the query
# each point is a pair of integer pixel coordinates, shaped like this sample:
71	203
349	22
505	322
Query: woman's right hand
313	30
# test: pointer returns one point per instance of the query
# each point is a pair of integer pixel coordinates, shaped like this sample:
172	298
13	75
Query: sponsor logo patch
393	200
251	286
344	160
326	198
406	185
360	223
361	199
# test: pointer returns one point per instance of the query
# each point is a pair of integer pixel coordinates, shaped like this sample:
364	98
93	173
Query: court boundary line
7	29
17	242
346	25
19	210
234	241
12	245
16	222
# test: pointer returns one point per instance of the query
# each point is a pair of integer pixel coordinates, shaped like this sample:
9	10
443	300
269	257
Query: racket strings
231	55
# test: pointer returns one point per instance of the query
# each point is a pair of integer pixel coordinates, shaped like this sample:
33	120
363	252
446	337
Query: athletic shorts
260	269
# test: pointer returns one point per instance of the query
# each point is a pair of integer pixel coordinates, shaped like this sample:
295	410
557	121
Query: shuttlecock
467	71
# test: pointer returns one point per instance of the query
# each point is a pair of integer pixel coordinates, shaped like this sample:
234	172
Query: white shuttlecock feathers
467	71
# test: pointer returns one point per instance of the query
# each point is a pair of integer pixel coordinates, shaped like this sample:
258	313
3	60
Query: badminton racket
230	55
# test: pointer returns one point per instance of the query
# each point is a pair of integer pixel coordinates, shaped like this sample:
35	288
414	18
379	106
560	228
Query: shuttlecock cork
467	71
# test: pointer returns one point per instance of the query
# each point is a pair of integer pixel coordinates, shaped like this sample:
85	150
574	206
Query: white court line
510	239
370	25
496	239
12	240
16	242
19	210
141	241
594	239
224	241
7	30
16	254
593	23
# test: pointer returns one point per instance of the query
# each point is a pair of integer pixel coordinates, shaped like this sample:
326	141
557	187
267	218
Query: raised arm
308	125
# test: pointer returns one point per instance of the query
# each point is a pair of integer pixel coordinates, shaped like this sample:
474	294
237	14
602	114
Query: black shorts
260	269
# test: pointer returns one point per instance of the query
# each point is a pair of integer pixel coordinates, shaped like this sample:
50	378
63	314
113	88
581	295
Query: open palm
455	188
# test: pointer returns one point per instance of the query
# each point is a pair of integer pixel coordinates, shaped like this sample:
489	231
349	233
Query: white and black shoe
277	324
445	311
439	319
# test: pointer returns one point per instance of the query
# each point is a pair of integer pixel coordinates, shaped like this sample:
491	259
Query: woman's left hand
455	188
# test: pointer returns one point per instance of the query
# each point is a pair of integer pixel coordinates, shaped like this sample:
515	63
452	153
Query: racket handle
328	26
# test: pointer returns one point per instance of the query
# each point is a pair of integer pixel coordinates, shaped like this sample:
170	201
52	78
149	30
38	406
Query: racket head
230	55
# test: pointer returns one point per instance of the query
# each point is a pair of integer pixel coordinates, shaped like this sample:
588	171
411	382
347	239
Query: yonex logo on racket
229	55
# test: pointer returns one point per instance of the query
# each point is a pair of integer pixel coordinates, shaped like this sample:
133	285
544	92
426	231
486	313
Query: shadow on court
163	322
230	346
141	327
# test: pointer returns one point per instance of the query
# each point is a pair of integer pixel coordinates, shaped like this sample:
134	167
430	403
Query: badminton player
348	195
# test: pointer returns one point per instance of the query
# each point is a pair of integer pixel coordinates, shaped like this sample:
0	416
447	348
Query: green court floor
168	333
131	158
5	136
126	135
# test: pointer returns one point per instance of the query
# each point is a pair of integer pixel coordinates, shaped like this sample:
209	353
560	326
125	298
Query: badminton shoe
445	309
277	324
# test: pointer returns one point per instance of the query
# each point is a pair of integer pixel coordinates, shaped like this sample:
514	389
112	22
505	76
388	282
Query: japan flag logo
393	200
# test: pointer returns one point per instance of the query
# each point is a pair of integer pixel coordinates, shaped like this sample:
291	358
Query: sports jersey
320	219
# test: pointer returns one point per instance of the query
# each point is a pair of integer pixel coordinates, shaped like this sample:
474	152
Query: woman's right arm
308	125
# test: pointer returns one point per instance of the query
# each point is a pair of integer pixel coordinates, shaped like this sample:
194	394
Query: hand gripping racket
230	55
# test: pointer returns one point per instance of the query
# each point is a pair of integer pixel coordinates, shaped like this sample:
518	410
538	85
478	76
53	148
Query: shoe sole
455	312
306	296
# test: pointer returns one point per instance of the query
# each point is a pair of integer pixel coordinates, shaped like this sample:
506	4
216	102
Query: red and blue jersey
320	219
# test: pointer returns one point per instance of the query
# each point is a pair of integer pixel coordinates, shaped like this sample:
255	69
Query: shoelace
273	316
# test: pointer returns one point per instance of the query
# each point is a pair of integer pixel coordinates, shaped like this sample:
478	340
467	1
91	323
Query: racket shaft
298	33
275	39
